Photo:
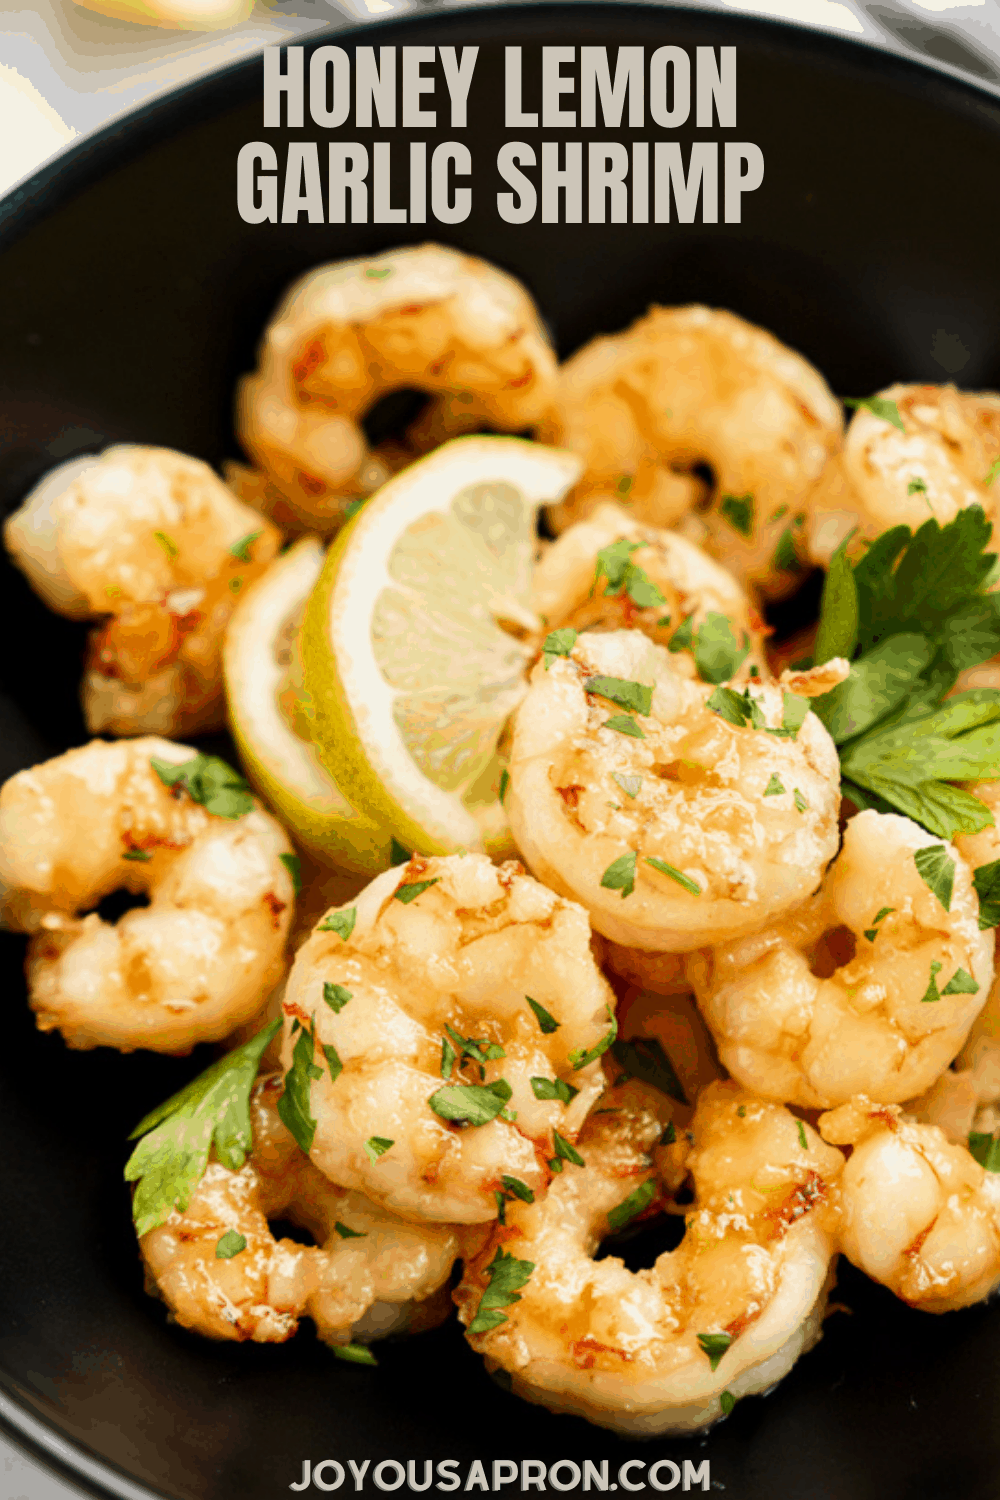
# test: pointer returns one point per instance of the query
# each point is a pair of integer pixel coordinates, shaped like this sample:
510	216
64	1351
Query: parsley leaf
683	637
675	874
478	1048
504	784
167	543
583	1057
936	869
558	643
553	1088
210	782
176	1137
624	576
355	1354
546	1021
879	406
986	880
565	1151
293	865
620	874
717	654
727	1403
630	785
410	891
336	996
630	1208
506	1276
471	1103
632	695
801	804
838	614
397	854
449	1057
644	1058
986	1149
295	1106
774	787
786	557
715	1346
738	511
340	922
803	1142
376	1146
738	709
347	1233
624	725
241	549
961	983
932	994
231	1243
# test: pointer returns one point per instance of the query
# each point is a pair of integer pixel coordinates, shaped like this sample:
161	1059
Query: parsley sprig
209	781
910	615
176	1137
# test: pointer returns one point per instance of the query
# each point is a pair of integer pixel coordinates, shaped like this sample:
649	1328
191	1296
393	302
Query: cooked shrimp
153	543
917	1212
681	836
425	317
689	386
369	1273
609	572
870	987
201	957
421	989
730	1310
945	459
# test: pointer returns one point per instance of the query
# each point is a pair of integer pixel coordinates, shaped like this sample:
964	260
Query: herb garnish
231	1243
630	785
715	1346
340	922
632	695
210	782
347	1233
774	787
583	1057
936	869
615	563
738	511
718	655
620	874
293	865
565	1151
644	1058
409	891
986	880
355	1354
557	643
553	1088
167	543
512	1188
986	1149
636	1203
213	1109
471	1103
675	874
506	1276
624	725
336	996
879	406
546	1021
241	549
376	1146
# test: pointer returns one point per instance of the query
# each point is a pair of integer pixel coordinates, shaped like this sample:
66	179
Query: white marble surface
65	70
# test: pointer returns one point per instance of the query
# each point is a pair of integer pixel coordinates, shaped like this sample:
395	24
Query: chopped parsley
738	511
336	996
932	993
557	643
675	874
231	1243
169	546
141	856
397	854
986	880
683	637
802	1136
295	1105
471	1103
449	1057
340	922
241	549
583	1057
961	983
410	891
872	932
786	557
622	724
546	1021
774	787
992	472
347	1233
553	1088
631	1207
644	1058
355	1354
623	576
917	486
635	696
879	406
986	1149
504	784
565	1151
293	865
512	1188
210	782
376	1146
936	869
800	802
480	1049
630	785
175	1138
718	655
727	1403
620	874
506	1275
715	1346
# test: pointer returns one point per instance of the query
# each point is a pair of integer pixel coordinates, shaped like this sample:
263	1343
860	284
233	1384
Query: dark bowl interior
133	296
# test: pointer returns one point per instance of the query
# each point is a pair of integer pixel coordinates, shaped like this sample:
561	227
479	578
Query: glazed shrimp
368	1275
729	1311
870	987
194	964
609	572
153	544
671	839
423	317
917	1212
946	459
425	1000
694	385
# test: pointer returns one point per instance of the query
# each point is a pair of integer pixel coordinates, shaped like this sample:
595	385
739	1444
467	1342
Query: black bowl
133	295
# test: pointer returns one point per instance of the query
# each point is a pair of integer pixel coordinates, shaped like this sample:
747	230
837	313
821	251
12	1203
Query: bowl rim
88	158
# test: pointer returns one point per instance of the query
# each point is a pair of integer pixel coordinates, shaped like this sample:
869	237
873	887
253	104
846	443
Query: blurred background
68	66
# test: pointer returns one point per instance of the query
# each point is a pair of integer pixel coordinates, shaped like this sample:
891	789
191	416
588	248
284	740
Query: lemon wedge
267	714
417	638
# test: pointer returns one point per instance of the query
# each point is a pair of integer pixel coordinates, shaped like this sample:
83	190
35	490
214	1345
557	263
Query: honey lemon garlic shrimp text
609	572
917	1211
913	452
677	814
870	987
153	818
455	1015
724	1315
221	1272
155	542
425	317
690	386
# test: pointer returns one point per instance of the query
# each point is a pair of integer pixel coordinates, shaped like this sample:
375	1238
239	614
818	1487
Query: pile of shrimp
672	1003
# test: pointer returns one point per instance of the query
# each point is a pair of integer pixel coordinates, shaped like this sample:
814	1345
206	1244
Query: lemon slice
417	637
262	672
